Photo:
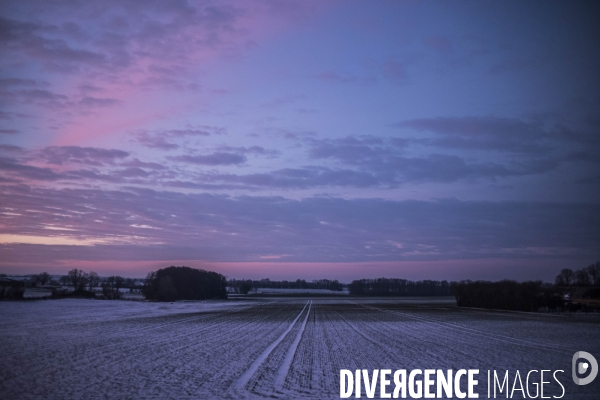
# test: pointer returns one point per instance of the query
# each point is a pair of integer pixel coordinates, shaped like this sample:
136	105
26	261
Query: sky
300	139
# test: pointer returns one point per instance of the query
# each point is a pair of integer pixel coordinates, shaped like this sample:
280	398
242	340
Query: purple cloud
29	38
97	102
40	97
214	159
14	168
155	141
81	155
335	229
11	82
335	77
158	140
249	150
9	148
190	132
494	133
136	163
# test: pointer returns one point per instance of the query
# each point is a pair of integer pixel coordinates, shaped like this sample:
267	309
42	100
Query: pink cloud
142	68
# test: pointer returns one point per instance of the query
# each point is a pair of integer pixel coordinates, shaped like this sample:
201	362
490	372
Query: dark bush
184	283
12	292
507	295
398	287
244	286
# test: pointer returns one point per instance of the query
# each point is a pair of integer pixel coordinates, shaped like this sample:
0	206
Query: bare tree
75	276
111	286
565	278
84	281
582	278
43	278
93	280
594	273
64	280
245	286
119	281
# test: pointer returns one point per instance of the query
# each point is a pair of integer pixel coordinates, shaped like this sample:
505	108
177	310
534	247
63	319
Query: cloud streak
217	158
246	228
497	134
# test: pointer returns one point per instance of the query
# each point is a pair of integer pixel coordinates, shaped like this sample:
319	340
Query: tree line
84	283
589	276
507	295
399	287
184	283
531	295
246	285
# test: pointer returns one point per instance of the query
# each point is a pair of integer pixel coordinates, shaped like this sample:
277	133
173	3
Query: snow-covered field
268	347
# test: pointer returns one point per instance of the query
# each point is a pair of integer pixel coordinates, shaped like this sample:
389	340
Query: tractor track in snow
243	380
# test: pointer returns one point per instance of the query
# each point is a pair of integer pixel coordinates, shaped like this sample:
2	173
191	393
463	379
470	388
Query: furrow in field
109	331
438	347
178	363
212	363
144	350
497	337
339	344
511	324
402	335
110	335
141	351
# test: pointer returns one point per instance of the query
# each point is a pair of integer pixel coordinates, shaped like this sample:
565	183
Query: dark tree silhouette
507	295
119	281
166	289
297	284
245	287
42	278
77	278
594	273
11	289
111	286
184	283
93	280
582	278
565	278
399	287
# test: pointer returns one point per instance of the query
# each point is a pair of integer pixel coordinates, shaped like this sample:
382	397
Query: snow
300	291
289	348
36	293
